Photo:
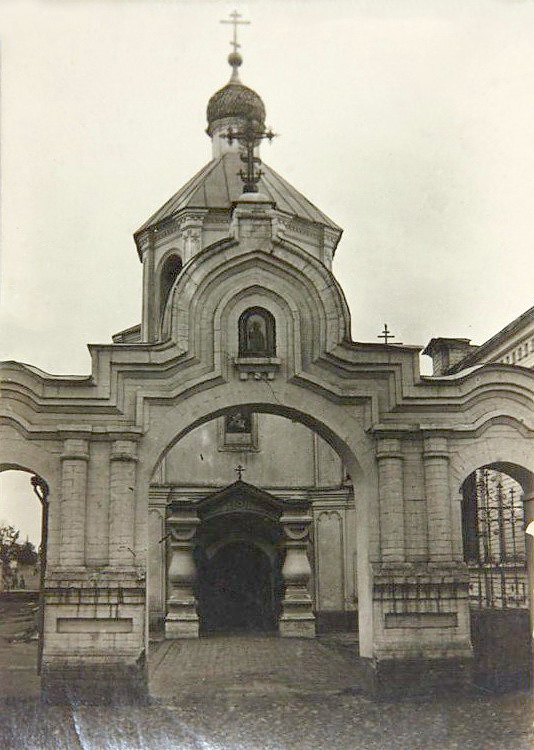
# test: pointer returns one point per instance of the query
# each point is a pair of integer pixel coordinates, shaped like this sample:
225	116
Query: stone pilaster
122	485
148	324
191	234
297	620
436	470
182	617
391	489
74	461
97	510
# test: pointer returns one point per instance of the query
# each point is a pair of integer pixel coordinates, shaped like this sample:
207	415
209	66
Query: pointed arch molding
217	274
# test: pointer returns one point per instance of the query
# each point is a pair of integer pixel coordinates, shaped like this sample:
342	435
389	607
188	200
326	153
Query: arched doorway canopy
239	556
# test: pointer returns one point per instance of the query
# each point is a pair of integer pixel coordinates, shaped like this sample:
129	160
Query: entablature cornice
186	494
461	399
348	390
338	394
55	431
421	430
127	378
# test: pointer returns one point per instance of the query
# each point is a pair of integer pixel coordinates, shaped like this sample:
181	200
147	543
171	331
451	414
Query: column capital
183	526
435	446
75	449
123	450
388	447
145	242
192	218
296	526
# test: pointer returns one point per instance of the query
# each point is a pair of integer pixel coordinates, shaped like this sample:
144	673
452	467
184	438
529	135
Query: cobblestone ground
252	694
250	665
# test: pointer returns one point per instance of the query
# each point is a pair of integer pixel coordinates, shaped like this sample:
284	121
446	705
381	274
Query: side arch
20	453
498	443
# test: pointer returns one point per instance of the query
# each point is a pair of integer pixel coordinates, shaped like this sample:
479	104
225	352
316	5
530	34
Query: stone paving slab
250	665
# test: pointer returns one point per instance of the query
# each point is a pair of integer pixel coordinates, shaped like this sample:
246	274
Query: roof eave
492	343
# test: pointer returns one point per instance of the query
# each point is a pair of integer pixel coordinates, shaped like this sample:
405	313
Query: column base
181	627
401	678
332	621
297	627
94	684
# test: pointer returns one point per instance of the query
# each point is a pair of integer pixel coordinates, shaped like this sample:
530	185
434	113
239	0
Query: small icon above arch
257	333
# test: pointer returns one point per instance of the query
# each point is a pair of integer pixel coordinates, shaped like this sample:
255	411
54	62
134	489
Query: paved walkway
251	665
249	693
255	694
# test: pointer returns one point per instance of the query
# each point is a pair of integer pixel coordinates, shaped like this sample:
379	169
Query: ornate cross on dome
235	21
240	469
248	138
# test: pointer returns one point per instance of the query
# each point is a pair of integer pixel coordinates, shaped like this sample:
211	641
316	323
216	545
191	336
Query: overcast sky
409	122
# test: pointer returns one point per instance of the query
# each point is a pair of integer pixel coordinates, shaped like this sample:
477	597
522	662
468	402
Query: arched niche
257	333
170	269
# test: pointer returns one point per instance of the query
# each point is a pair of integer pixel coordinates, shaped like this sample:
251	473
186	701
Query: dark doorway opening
238	591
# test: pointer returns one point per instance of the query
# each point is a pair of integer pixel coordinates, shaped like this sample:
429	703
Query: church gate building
237	462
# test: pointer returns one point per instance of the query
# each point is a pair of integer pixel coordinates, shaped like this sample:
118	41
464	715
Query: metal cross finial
386	334
250	135
240	469
235	21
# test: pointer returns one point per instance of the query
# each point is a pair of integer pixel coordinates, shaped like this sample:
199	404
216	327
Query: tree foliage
12	550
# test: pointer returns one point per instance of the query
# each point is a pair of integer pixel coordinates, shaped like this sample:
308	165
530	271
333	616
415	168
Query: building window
169	274
257	335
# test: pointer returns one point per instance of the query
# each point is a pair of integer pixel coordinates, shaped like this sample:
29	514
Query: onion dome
235	100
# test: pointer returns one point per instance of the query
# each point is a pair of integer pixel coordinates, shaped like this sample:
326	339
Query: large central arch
340	426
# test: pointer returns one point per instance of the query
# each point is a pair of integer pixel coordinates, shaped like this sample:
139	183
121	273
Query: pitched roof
501	337
218	185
